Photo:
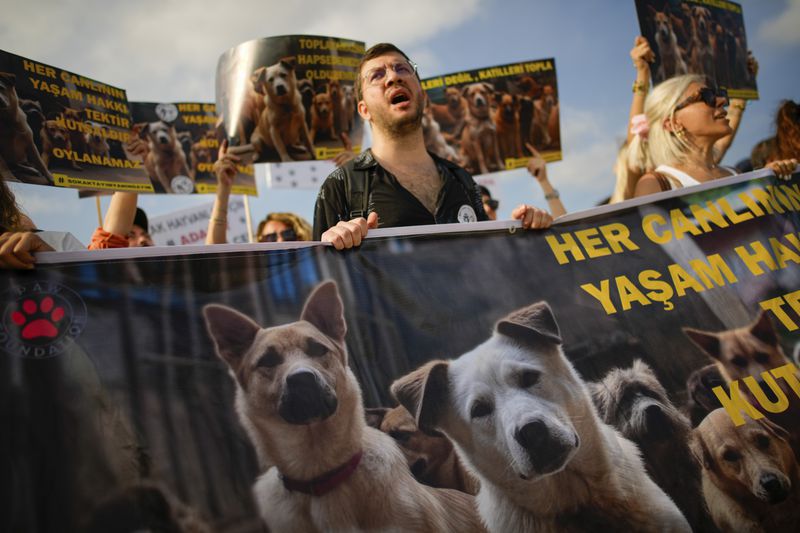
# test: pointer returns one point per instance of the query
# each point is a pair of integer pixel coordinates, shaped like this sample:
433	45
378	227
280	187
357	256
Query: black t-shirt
459	199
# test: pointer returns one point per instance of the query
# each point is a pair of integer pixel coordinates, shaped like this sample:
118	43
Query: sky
166	51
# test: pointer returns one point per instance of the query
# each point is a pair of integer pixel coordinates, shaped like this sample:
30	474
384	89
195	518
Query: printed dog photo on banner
628	370
699	37
62	129
290	98
178	145
485	119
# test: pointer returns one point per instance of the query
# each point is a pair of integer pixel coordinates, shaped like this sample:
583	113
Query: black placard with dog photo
704	37
632	368
484	119
62	129
178	144
290	98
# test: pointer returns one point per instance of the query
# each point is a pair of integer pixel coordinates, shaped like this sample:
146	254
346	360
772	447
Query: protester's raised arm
225	170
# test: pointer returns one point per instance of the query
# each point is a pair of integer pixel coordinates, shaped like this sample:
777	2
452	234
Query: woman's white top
685	179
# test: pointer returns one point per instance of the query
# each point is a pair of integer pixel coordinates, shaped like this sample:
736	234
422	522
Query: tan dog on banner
282	123
165	157
301	406
479	147
751	352
17	147
523	422
751	479
452	114
506	120
431	457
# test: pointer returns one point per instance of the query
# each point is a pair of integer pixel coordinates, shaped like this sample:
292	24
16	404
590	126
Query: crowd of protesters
677	135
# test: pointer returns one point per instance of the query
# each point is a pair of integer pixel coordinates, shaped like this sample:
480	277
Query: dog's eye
739	361
529	378
731	456
316	349
762	358
762	441
480	408
271	359
400	436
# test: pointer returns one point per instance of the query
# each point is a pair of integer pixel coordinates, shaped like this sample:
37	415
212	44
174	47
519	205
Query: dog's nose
303	379
533	435
776	491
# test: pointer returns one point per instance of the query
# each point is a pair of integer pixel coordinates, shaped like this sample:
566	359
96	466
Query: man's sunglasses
286	235
707	95
494	204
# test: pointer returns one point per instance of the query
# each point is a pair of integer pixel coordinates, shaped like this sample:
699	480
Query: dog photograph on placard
54	131
699	38
282	100
483	119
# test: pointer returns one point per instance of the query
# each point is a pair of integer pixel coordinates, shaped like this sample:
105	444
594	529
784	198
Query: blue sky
167	51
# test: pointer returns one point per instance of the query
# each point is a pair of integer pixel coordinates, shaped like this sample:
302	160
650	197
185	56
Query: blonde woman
687	118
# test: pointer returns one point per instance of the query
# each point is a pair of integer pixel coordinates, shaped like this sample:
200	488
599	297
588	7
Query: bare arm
120	214
642	56
648	184
538	169
736	109
225	170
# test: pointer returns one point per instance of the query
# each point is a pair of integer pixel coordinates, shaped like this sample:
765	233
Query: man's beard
400	127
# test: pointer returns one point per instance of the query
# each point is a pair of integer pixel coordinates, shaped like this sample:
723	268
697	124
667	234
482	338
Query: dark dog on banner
430	456
18	151
634	401
301	405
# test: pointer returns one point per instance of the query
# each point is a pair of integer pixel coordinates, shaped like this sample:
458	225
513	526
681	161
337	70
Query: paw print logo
38	319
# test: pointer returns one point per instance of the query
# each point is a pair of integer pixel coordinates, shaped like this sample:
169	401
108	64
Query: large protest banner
290	98
484	119
704	37
63	129
113	393
180	143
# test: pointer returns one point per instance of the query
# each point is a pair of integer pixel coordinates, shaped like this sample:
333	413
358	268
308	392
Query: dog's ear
424	393
258	78
705	340
144	131
289	62
488	87
324	309
774	429
763	330
532	324
699	450
464	91
232	332
375	415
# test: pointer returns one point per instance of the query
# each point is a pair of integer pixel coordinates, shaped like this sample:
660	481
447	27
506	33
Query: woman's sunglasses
286	235
707	95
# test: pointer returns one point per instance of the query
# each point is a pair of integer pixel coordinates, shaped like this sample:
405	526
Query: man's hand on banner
17	249
347	234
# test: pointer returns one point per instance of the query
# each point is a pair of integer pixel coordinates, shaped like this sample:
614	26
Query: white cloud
784	29
166	51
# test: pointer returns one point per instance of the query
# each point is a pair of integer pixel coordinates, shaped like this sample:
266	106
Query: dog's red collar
326	482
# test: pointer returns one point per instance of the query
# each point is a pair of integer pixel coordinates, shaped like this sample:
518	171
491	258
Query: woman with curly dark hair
787	135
